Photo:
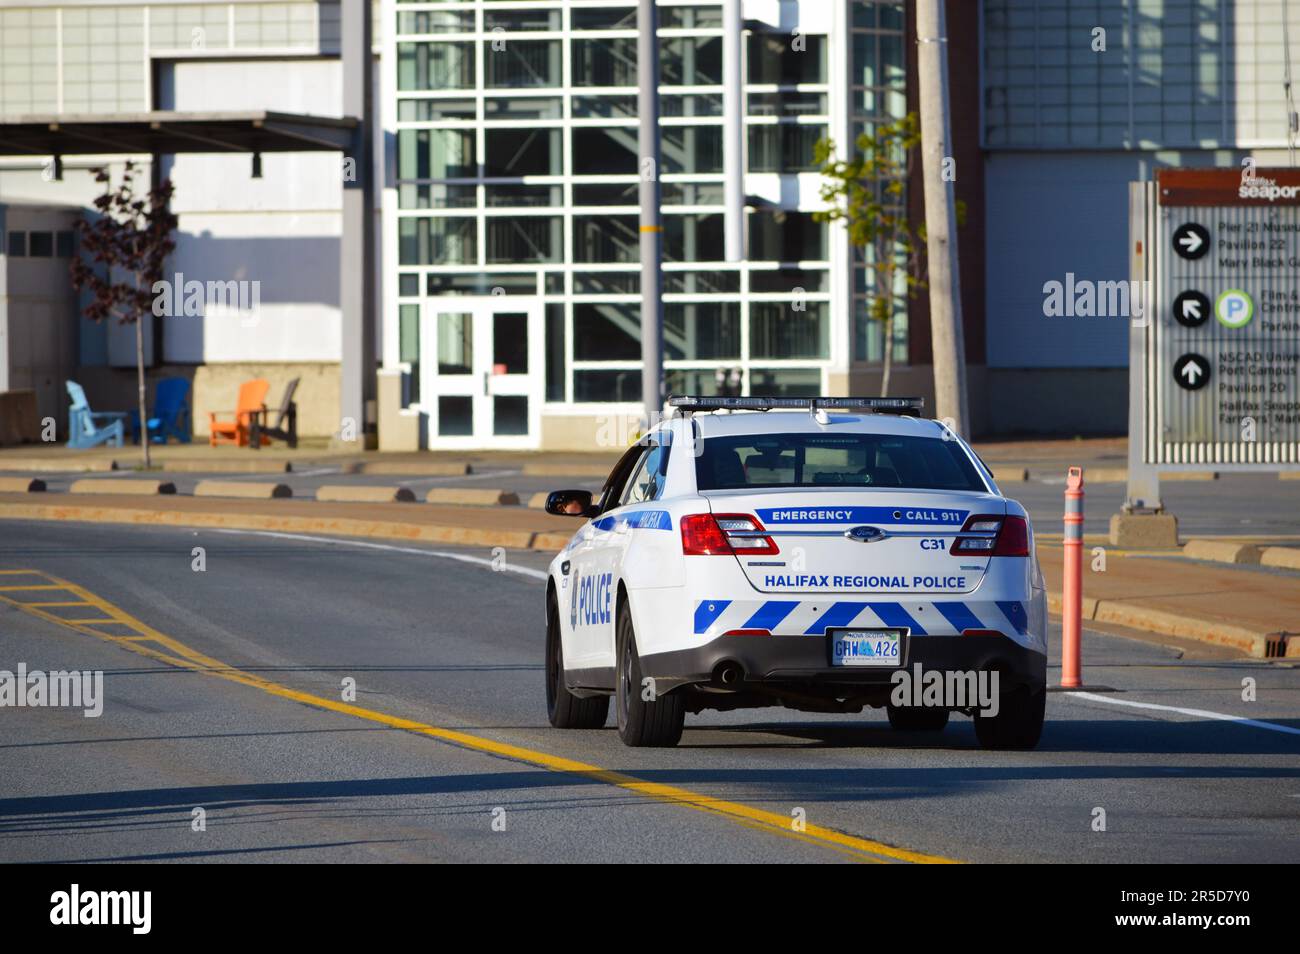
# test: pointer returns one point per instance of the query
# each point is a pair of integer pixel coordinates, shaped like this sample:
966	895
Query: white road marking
485	475
1197	713
461	557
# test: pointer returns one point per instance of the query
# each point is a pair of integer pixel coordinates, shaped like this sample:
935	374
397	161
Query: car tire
917	718
1019	722
565	710
656	724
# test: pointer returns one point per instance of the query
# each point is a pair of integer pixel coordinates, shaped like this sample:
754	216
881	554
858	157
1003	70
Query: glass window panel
435	154
607	193
555	352
409	347
692	149
522	152
721	282
408	285
436	196
455	416
622	384
609	61
436	21
509	342
688	193
784	147
616	18
722	381
606	283
690	61
521	21
524	196
689	18
606	238
523	107
606	332
695	104
435	110
67	243
478	283
788	103
693	238
784	236
437	241
699	331
42	244
522	63
603	107
427	66
18	244
778	331
456	343
789	281
609	151
785	382
773	58
509	414
524	239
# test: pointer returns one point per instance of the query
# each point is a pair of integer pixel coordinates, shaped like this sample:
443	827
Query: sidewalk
1243	609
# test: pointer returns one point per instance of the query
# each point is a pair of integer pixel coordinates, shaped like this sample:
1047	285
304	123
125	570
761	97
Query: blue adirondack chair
171	413
83	427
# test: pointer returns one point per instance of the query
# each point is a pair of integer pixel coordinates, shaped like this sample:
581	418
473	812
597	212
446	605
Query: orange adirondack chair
252	401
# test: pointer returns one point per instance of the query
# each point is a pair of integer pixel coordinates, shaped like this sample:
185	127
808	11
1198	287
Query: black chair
286	421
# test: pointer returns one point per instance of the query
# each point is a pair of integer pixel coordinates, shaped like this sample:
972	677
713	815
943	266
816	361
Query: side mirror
570	503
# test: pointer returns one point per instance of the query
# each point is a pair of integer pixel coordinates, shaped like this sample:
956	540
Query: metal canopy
169	133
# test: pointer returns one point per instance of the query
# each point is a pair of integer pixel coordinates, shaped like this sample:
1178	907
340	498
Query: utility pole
652	312
947	342
733	132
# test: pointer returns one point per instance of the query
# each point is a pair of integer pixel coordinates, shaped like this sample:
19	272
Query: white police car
798	552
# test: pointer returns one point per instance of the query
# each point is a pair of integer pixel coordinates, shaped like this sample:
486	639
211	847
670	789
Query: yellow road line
174	653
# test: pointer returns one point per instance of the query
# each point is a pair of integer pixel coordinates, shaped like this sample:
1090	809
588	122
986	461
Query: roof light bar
877	405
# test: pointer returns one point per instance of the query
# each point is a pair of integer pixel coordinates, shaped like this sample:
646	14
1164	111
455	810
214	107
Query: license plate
867	647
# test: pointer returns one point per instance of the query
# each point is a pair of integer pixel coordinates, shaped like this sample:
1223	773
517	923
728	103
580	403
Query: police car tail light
704	534
988	535
745	534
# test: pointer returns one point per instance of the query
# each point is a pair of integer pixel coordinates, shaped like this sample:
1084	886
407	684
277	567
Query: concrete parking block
255	490
1143	531
21	485
128	487
1286	558
1221	551
344	493
395	468
472	496
1009	475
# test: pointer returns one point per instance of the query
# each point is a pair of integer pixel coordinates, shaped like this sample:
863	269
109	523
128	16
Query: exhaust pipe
729	674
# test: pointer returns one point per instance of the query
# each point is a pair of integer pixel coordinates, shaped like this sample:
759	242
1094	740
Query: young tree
127	245
867	192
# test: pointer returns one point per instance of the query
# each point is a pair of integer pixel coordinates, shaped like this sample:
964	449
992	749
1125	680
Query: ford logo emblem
866	534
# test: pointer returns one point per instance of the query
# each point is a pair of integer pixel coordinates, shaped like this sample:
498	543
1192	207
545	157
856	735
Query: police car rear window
840	460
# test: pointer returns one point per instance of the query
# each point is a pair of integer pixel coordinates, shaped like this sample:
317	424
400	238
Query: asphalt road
453	646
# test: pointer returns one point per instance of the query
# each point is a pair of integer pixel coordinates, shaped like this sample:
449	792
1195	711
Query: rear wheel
656	722
1019	722
565	710
917	718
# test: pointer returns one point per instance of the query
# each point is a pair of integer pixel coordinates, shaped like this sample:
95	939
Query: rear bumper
804	661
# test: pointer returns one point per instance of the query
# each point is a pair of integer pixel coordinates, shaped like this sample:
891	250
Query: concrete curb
1221	551
537	468
253	465
129	488
472	497
411	469
45	465
347	493
1286	558
1256	644
340	526
21	485
239	488
1009	475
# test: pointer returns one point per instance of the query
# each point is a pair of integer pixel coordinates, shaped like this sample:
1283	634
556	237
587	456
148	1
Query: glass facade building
512	292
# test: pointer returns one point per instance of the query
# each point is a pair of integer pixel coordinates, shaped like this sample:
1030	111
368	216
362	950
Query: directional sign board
1215	359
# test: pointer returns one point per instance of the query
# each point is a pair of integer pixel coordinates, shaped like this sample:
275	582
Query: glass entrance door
481	372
